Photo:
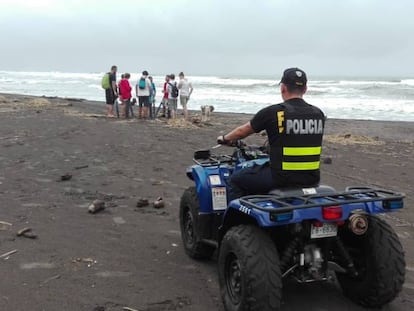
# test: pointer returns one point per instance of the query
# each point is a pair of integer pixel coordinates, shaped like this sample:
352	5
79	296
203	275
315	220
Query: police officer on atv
294	129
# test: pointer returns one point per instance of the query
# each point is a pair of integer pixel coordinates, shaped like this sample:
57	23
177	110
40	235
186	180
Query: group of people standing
145	91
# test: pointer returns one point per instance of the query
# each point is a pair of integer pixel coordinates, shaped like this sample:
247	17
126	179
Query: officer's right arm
239	132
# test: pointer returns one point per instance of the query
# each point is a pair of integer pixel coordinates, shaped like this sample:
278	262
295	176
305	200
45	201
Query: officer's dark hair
114	67
294	89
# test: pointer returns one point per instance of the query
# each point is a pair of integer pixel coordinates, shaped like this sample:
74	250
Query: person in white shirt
186	89
143	90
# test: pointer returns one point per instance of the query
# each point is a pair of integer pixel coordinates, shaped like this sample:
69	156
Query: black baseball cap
294	77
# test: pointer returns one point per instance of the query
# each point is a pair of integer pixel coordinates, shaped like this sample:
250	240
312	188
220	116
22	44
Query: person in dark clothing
111	94
294	129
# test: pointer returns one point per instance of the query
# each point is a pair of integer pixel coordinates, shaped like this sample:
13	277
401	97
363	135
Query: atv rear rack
280	204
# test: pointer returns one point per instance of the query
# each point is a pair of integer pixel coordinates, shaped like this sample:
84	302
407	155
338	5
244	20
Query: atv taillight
331	212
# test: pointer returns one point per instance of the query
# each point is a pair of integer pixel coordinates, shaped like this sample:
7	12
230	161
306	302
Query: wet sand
132	257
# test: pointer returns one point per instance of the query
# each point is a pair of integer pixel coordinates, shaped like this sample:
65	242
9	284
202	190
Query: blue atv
308	234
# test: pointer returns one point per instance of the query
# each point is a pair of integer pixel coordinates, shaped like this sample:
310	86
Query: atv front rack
281	204
213	160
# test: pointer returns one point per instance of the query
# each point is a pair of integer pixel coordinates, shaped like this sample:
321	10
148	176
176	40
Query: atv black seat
292	192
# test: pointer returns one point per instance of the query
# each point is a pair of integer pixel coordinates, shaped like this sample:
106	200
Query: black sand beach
132	257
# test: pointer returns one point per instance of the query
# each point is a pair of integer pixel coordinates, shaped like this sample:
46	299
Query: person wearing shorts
143	96
111	94
186	89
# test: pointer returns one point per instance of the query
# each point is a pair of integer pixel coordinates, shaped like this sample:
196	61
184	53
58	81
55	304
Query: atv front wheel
249	272
189	208
379	261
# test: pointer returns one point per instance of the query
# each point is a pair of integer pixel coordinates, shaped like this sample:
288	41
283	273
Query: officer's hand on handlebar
221	140
231	143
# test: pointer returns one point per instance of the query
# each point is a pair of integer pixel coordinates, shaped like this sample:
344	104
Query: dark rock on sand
66	177
142	202
159	203
327	160
96	206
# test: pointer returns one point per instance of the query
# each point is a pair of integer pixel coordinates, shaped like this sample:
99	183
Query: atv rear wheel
249	272
379	260
189	208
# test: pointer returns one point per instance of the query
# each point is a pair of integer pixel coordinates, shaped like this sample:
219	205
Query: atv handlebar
242	152
230	143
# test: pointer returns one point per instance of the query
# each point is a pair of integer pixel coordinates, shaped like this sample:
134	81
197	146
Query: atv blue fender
210	183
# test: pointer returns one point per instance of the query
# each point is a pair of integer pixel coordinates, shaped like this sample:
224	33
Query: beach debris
157	182
180	123
96	206
38	102
327	160
159	203
196	120
27	233
129	309
4	225
5	256
142	202
89	261
81	167
55	277
346	136
65	177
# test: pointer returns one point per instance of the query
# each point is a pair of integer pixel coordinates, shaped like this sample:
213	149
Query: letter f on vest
280	120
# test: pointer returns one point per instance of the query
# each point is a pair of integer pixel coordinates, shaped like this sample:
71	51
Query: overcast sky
212	37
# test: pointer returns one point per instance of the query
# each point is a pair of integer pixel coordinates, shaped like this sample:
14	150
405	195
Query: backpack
142	84
105	83
174	90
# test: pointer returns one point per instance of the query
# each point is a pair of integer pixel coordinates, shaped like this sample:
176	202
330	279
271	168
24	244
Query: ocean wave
231	82
408	82
368	82
341	98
